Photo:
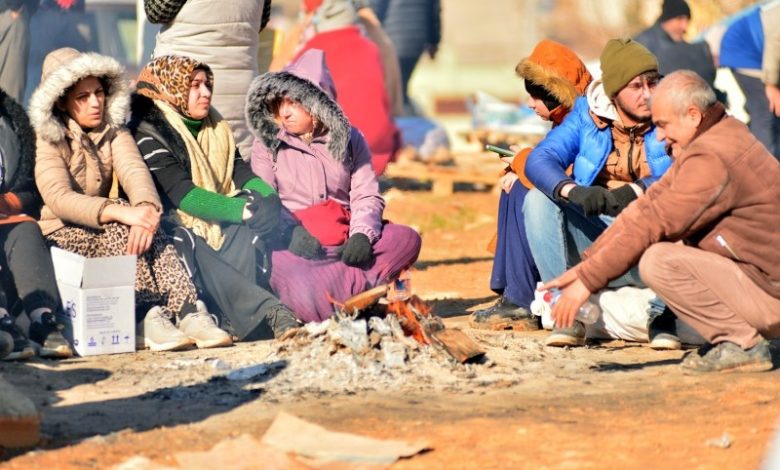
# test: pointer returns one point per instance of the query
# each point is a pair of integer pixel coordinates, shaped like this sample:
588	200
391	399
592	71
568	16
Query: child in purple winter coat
333	241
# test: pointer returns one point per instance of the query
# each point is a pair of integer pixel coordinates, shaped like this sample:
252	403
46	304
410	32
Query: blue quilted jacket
579	140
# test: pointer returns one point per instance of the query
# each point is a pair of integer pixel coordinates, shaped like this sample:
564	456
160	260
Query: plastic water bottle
542	306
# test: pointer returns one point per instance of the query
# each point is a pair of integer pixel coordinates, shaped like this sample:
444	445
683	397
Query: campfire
414	316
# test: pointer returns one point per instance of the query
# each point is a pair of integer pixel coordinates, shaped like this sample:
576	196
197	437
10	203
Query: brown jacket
74	170
74	176
721	195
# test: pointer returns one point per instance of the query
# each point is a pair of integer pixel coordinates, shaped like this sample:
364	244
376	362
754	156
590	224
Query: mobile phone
501	151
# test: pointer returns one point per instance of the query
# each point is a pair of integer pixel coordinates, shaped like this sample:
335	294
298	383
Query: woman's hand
146	217
138	240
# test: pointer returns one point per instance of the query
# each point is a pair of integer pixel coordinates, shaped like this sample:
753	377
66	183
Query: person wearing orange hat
554	78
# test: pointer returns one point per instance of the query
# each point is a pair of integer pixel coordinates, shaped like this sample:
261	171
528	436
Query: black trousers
228	280
26	271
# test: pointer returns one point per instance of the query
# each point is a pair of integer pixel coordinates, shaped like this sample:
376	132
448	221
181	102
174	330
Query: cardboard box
99	296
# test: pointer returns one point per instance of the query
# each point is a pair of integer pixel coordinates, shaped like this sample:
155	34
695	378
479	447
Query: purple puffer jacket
336	165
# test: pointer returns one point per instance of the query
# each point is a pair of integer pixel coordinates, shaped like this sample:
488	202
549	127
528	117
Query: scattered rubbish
219	364
292	434
722	442
241	453
248	372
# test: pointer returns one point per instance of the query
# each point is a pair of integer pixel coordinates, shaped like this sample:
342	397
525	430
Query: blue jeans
559	231
514	273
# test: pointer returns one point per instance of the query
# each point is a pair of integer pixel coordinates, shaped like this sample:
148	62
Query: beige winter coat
74	170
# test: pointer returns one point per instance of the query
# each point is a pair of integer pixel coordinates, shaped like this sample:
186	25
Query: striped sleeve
170	177
162	11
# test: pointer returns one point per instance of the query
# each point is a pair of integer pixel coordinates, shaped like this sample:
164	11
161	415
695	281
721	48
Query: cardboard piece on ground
20	422
99	296
241	453
291	434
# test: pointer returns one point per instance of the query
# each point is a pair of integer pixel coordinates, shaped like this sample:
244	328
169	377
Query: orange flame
333	301
410	313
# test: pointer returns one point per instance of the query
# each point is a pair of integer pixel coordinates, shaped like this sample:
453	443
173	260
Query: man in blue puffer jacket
610	141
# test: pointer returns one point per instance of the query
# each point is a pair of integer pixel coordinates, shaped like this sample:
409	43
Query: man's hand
594	200
507	181
573	296
138	240
773	95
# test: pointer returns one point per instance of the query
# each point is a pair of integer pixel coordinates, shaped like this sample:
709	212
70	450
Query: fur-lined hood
307	81
18	176
556	68
62	69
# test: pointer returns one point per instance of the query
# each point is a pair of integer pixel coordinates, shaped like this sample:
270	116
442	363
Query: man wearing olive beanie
610	142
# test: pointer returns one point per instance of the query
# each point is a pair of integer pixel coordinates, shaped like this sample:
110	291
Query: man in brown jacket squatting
721	198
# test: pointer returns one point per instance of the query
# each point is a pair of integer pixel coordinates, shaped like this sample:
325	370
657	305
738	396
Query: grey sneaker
282	322
158	333
201	327
6	344
729	357
504	315
662	331
571	336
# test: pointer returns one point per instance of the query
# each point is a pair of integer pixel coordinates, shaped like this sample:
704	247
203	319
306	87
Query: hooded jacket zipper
631	154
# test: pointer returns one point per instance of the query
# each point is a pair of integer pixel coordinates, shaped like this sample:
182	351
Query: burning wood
416	319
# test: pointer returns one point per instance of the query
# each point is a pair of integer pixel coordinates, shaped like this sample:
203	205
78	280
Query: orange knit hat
556	68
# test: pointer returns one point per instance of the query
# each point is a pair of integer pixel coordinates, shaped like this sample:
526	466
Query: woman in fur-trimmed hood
78	111
553	77
321	167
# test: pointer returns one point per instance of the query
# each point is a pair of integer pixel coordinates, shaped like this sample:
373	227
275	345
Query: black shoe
47	333
282	322
504	315
6	344
662	331
21	347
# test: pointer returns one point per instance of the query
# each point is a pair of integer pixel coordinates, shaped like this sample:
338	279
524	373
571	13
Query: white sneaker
201	327
158	333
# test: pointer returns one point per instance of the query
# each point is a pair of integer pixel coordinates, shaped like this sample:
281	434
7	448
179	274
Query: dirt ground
610	405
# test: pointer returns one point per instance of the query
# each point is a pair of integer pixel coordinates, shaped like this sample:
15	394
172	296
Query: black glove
594	200
303	244
623	196
357	250
265	212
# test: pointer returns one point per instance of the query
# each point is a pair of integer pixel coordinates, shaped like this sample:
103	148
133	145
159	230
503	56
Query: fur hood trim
558	69
20	123
270	87
47	124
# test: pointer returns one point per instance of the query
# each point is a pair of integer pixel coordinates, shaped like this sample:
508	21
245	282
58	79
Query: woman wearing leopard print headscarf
78	112
219	212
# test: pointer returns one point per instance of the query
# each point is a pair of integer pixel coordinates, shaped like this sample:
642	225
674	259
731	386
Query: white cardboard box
99	296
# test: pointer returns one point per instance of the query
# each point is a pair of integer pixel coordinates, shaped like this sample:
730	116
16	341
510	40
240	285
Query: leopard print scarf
167	78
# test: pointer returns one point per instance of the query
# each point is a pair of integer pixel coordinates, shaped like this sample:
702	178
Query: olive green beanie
621	61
